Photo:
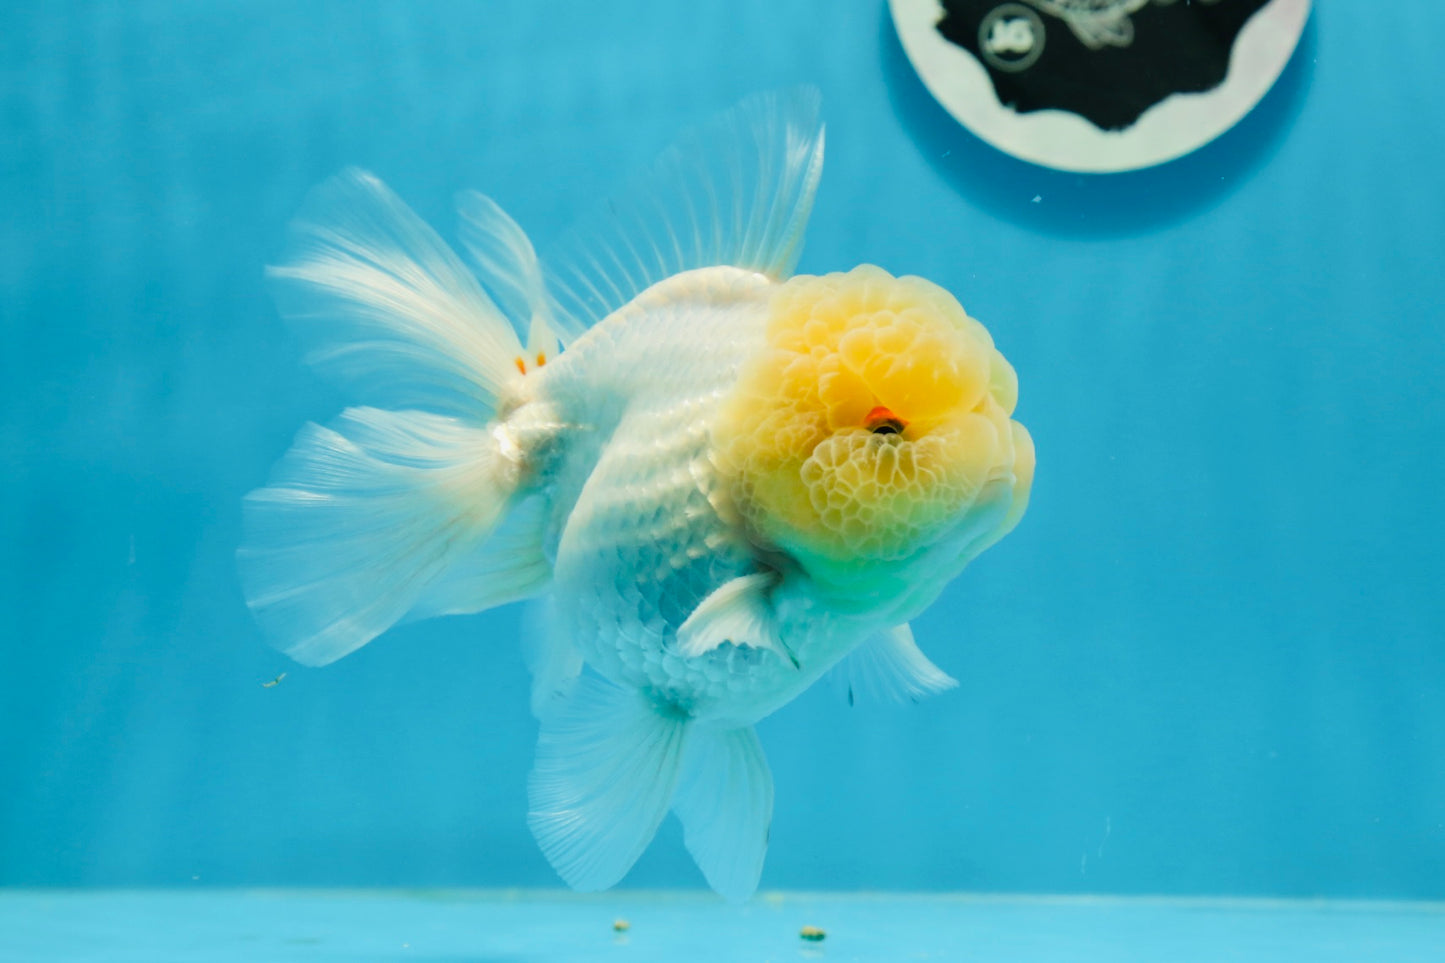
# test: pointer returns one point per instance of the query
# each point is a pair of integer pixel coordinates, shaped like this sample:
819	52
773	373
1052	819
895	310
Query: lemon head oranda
875	424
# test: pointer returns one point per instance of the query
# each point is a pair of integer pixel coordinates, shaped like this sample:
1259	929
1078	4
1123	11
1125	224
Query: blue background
1209	661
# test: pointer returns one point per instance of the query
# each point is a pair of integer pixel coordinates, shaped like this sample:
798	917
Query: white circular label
1098	86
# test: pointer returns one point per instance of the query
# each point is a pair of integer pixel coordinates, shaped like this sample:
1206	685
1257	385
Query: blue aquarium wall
1211	660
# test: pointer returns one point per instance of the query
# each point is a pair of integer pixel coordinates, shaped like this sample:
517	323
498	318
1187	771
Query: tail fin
360	520
387	514
388	309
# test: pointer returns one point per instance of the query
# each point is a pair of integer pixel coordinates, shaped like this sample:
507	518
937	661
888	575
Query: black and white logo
1011	37
1099	85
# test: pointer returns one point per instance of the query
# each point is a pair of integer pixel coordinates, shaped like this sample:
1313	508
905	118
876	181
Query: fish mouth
934	565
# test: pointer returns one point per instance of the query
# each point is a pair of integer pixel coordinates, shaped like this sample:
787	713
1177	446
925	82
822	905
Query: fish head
871	439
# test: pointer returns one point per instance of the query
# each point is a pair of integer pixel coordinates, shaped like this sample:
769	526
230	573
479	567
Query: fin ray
511	565
358	520
607	764
735	191
725	803
387	308
738	612
552	657
509	269
889	667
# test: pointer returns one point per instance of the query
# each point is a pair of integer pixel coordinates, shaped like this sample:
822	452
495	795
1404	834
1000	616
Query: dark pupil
888	427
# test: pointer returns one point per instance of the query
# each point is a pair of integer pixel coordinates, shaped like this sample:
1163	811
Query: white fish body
681	483
651	535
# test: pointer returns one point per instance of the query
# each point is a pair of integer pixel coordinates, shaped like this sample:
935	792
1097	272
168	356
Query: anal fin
725	802
607	765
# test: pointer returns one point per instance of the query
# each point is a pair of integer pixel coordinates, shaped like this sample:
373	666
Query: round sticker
1098	86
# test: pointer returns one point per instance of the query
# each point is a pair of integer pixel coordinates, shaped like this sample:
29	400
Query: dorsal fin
736	191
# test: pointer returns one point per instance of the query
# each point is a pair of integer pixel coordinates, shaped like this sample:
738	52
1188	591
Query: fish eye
881	421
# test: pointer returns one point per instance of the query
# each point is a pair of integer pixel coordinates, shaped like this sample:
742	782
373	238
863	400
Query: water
1206	665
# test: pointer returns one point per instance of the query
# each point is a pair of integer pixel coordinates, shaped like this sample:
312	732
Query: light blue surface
480	927
1209	661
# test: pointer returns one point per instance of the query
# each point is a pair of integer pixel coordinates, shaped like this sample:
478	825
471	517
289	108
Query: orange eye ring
882	421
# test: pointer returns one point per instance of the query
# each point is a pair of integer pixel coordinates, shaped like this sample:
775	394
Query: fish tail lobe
383	517
414	503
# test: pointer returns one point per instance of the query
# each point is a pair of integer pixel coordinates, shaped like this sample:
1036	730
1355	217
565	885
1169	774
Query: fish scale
645	541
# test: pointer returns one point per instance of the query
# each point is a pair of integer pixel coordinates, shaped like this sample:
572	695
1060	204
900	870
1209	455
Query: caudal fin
390	514
362	522
387	309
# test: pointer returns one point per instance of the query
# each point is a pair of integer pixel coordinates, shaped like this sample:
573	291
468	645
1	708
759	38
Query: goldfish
719	480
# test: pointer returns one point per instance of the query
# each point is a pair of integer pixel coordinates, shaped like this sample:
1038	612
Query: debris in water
273	682
620	925
812	934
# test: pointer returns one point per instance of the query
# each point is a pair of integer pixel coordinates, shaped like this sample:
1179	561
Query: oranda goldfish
722	480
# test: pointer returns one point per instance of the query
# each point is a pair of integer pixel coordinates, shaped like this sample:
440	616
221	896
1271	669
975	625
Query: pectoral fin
889	667
738	612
